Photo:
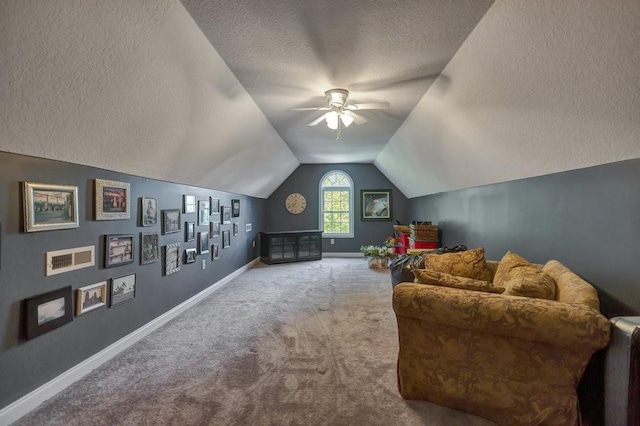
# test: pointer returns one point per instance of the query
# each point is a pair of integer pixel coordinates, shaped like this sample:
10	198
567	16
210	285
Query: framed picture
189	203
235	208
171	258
112	200
149	247
149	211
225	212
203	242
215	205
123	289
170	221
91	297
190	231
48	311
48	207
203	212
236	228
118	250
190	255
215	252
215	229
226	239
375	204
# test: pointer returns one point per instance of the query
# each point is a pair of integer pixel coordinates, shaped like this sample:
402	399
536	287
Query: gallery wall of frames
88	256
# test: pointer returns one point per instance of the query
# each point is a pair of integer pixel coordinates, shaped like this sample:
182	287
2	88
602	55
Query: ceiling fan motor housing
337	97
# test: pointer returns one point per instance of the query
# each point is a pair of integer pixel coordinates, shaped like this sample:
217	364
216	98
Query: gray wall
25	365
587	219
306	180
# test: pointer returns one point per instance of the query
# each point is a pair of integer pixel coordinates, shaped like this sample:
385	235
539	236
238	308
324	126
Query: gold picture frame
91	297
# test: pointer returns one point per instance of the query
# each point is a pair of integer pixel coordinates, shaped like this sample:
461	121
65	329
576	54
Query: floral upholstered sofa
507	341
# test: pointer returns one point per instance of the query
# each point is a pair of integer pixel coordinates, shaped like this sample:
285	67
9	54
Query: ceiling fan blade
317	120
368	105
309	109
357	118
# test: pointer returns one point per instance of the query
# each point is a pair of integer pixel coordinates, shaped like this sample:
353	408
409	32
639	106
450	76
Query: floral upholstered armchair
507	341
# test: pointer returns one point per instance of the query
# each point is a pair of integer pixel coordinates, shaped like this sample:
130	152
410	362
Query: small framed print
48	311
190	255
188	203
215	252
91	297
215	205
225	212
48	207
118	250
112	199
170	221
235	208
203	212
375	204
149	211
149	248
203	242
171	258
236	228
226	239
123	289
190	231
215	229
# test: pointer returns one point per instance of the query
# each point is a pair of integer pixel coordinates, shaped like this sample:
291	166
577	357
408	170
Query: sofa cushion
468	264
519	277
427	276
570	287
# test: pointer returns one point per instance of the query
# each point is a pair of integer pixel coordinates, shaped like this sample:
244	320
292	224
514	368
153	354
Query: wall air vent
60	261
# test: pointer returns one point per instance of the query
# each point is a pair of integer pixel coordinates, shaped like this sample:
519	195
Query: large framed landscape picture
49	207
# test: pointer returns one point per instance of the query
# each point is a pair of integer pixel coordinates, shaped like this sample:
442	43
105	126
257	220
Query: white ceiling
288	53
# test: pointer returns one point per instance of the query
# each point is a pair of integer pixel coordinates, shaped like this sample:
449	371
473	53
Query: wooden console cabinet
291	246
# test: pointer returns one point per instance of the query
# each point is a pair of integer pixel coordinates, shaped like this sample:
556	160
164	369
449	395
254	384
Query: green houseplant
403	265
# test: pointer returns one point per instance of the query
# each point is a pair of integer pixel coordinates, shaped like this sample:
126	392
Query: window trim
351	189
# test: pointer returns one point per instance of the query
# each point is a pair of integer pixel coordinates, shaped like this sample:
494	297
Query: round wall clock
295	203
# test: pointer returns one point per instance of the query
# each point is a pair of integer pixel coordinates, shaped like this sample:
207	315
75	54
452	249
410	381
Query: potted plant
377	256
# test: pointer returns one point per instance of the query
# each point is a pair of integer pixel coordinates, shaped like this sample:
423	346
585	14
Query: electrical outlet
333	241
253	243
248	227
204	264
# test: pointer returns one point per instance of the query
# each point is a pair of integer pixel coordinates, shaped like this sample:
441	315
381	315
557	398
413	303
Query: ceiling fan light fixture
346	118
332	120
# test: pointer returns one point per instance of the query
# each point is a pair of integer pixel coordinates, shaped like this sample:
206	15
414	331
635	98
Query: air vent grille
60	261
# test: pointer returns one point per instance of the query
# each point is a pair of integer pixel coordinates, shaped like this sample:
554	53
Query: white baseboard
341	254
32	400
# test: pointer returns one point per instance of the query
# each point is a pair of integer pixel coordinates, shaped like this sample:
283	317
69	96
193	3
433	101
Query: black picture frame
214	229
236	228
170	221
48	311
149	247
189	231
148	211
118	250
215	252
214	205
375	204
235	208
203	242
123	289
226	239
225	215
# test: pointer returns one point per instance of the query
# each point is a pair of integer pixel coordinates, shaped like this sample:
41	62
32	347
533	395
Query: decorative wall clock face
296	203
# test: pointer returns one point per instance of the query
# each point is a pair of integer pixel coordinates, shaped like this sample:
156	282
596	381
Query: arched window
336	205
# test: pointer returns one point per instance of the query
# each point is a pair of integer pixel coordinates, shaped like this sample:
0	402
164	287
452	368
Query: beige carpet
311	343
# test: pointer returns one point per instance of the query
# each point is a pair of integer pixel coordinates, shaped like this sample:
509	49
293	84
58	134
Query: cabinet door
315	245
289	248
303	246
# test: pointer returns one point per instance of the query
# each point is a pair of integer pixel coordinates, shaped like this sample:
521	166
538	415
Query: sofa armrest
560	324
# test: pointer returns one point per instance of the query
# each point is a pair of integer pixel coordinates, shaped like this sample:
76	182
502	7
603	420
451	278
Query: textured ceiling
288	53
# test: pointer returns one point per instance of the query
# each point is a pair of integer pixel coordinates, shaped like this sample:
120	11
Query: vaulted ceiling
197	91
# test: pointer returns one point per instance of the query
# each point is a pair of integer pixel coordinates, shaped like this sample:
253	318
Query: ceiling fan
339	112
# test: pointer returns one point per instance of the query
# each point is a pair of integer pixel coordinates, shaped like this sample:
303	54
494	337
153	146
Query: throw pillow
426	276
468	264
521	278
